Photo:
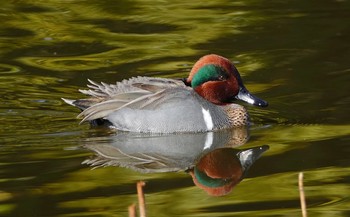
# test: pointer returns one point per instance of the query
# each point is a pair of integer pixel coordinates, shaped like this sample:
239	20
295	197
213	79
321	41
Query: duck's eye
221	78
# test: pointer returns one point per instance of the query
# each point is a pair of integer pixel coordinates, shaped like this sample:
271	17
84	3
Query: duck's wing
149	101
121	93
132	85
165	96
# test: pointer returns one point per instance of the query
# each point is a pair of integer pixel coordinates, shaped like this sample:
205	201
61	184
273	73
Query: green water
294	54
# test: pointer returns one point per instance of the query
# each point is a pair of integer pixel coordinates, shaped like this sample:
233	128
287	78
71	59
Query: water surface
294	54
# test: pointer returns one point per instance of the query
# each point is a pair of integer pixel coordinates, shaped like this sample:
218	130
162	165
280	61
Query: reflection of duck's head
217	172
220	170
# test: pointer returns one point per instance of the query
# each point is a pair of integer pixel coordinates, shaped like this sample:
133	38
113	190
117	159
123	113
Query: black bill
245	96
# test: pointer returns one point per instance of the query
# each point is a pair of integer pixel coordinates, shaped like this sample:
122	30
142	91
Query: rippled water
294	54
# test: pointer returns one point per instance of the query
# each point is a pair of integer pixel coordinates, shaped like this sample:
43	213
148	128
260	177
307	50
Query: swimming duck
200	103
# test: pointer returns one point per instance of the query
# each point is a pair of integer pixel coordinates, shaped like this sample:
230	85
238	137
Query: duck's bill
245	96
247	157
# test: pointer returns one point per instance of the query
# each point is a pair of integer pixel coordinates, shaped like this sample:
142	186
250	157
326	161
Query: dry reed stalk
132	210
302	195
141	197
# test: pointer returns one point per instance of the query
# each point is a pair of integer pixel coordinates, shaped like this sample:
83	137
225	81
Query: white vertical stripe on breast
208	140
207	119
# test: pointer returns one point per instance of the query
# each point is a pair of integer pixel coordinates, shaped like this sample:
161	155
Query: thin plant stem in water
132	210
141	198
302	195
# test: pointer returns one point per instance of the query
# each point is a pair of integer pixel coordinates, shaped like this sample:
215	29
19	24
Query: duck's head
217	80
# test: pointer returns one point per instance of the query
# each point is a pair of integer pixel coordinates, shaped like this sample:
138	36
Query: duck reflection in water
210	158
220	170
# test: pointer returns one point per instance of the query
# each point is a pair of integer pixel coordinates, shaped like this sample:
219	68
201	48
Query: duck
202	102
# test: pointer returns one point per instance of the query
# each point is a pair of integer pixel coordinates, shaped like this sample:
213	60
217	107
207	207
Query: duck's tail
68	101
83	104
